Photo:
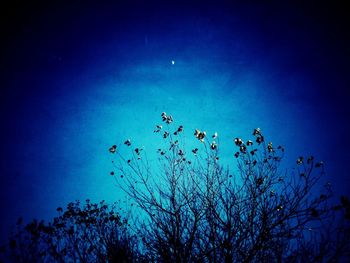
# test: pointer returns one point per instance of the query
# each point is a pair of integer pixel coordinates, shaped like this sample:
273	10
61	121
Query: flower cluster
309	160
200	135
242	147
167	119
258	135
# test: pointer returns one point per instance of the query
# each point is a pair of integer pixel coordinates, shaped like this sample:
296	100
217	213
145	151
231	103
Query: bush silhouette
92	233
189	208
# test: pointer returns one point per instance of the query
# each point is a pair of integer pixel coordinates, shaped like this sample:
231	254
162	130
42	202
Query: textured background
77	78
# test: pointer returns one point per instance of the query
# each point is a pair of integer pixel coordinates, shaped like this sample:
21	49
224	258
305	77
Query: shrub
92	233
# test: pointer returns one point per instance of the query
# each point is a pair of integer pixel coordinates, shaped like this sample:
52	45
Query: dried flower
238	141
252	152
138	151
300	160
259	139
127	142
158	128
256	132
164	117
113	149
180	129
243	149
201	136
269	147
169	119
196	133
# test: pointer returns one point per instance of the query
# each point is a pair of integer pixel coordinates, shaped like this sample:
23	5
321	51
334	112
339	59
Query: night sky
77	78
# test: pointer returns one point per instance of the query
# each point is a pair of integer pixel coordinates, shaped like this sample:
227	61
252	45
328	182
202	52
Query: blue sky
77	79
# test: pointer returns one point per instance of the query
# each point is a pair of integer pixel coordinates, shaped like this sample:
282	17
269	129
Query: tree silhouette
186	207
92	233
197	211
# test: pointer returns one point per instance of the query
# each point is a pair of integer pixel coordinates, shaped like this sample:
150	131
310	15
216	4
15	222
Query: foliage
92	233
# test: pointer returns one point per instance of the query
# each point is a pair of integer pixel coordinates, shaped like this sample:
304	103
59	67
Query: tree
186	207
194	210
92	233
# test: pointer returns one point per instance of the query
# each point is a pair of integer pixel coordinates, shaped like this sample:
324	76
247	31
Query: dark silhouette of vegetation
197	211
189	208
92	233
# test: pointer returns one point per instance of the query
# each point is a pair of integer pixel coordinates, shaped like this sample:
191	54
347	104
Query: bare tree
186	207
194	210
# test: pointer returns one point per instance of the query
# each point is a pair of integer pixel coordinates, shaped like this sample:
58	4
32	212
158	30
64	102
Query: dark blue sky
76	78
